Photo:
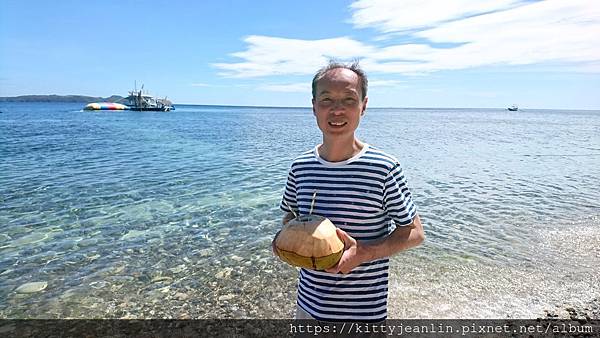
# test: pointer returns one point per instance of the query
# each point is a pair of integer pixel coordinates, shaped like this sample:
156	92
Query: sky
417	53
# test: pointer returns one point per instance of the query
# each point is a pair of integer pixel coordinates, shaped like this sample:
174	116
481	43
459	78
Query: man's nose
337	106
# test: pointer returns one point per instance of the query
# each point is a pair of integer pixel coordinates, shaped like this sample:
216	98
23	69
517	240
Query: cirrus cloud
305	87
394	16
449	35
267	56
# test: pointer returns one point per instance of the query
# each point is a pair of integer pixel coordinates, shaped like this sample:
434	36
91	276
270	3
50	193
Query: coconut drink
309	241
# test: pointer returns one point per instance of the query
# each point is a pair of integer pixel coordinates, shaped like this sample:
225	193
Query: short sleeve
289	195
397	200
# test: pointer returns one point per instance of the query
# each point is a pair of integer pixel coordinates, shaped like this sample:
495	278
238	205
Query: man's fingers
333	269
273	247
341	234
347	239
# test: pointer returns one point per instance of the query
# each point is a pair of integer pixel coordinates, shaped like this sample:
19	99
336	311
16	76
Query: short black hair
354	66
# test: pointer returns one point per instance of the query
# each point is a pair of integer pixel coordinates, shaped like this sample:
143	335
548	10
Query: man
363	191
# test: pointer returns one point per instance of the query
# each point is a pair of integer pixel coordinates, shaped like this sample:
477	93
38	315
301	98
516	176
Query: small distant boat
514	107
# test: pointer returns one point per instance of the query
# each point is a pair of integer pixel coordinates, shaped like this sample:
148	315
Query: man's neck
339	150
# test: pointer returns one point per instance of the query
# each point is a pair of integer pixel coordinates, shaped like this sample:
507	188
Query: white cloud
393	15
305	87
276	56
548	31
561	33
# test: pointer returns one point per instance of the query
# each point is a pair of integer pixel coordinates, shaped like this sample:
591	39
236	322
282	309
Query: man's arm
356	253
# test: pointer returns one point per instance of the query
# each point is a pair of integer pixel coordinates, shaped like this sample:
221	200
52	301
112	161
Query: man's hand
356	253
273	248
352	257
286	218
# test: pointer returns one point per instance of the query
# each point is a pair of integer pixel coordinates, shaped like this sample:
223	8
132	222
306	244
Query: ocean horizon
6	100
522	109
123	214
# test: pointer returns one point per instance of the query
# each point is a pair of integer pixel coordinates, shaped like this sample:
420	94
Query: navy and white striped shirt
367	197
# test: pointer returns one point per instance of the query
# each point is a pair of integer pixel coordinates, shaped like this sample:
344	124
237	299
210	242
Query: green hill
60	98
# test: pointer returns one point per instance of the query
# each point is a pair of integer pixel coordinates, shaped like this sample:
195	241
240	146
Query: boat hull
150	109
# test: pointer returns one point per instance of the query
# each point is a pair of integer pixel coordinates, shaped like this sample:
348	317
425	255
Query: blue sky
426	53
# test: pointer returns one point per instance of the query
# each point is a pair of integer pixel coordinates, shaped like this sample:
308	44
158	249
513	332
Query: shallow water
170	215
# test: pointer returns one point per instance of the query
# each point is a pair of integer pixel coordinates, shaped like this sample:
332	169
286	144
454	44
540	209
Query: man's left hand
352	257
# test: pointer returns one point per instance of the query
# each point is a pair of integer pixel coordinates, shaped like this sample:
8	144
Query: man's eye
349	100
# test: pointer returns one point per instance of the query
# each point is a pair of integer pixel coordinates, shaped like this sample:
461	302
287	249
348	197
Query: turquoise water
170	215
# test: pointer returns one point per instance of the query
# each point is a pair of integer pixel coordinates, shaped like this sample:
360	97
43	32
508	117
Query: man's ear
364	106
313	107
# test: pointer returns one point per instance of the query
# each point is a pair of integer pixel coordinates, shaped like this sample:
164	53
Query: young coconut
309	241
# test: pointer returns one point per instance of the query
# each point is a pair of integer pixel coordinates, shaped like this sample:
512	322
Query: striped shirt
366	196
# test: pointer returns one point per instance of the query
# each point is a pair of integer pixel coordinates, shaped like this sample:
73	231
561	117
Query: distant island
60	98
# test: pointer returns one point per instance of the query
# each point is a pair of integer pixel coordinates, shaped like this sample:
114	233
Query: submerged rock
98	284
161	279
181	296
226	297
206	252
32	287
30	239
225	273
178	269
133	234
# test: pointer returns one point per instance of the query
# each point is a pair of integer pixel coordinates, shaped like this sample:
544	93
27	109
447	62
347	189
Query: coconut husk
310	242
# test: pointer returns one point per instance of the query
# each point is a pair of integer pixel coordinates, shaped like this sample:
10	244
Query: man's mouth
337	124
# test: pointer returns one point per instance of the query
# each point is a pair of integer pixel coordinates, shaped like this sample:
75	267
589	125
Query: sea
120	214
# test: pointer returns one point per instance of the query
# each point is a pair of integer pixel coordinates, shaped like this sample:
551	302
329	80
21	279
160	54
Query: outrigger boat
137	100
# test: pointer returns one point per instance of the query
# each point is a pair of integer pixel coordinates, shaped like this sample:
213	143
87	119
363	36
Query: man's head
339	99
355	67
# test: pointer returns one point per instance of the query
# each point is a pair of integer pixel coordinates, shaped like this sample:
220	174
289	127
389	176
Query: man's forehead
339	76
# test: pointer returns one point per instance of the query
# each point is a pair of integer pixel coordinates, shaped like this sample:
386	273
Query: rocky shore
589	311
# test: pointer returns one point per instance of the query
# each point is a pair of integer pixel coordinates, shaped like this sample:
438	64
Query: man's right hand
286	218
273	247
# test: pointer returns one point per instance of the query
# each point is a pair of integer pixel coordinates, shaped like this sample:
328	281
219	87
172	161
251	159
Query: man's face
338	105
